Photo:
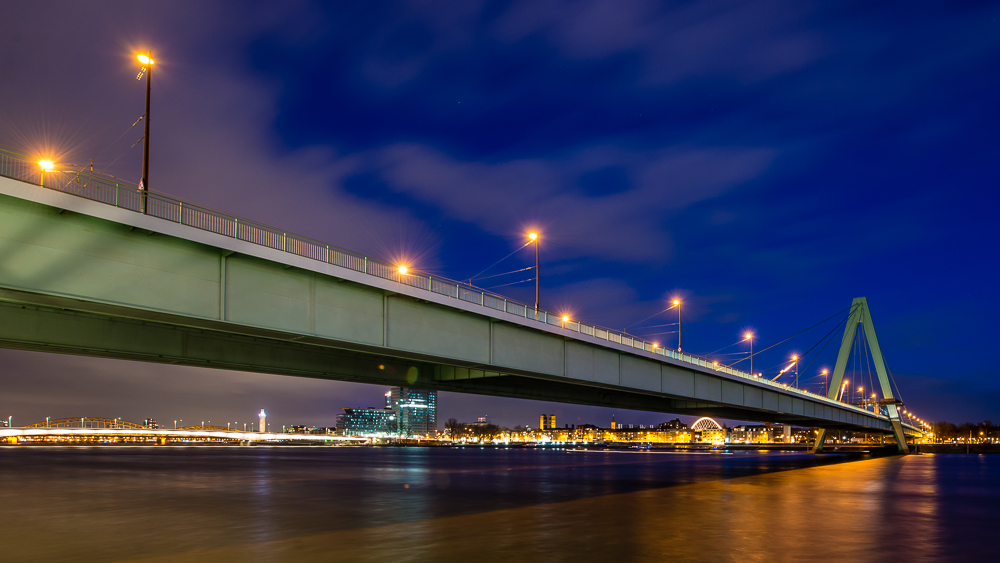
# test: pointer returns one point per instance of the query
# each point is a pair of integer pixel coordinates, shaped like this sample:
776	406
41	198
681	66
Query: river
469	504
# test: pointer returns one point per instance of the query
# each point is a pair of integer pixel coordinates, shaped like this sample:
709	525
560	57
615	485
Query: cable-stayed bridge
92	266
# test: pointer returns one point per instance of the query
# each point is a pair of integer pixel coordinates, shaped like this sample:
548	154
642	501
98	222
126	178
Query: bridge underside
67	326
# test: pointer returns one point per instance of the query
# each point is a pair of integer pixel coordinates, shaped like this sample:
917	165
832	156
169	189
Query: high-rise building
416	410
407	412
547	422
263	420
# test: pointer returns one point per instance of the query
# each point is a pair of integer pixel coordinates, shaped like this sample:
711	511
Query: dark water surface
437	504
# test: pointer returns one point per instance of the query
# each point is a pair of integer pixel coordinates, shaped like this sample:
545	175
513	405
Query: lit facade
416	410
367	422
547	422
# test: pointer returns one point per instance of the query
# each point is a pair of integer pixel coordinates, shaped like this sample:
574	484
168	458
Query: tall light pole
796	360
677	303
825	383
534	238
749	336
147	61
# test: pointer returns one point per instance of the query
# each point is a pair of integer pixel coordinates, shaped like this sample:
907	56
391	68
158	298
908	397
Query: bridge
90	265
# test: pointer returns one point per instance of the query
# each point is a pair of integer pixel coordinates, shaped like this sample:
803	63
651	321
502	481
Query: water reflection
353	504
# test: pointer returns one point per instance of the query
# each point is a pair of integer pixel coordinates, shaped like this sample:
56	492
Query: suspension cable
796	334
500	260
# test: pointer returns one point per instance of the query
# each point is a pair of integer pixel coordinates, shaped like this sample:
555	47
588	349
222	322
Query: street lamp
534	238
795	359
147	67
46	165
749	336
843	387
677	303
825	382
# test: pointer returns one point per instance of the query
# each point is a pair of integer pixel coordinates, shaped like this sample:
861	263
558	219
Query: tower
263	420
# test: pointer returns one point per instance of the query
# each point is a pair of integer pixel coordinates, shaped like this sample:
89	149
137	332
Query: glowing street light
534	238
677	303
749	336
46	165
795	359
147	66
403	270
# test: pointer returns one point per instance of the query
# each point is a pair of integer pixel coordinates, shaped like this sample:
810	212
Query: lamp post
826	391
749	336
534	238
46	165
147	61
677	303
796	360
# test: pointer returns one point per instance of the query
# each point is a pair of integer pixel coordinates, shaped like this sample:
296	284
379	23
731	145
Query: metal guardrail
125	195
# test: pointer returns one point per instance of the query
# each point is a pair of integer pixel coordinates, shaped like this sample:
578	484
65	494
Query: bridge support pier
820	439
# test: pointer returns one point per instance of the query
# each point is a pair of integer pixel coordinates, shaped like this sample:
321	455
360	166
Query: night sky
766	162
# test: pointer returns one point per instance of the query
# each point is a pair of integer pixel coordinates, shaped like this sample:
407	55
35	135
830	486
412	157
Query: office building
416	410
367	422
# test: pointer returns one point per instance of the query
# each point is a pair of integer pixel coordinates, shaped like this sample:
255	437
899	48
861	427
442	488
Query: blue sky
766	161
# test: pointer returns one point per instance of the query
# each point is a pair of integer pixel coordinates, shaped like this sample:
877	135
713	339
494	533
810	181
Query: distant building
407	412
263	420
547	422
416	410
151	424
367	422
752	435
674	424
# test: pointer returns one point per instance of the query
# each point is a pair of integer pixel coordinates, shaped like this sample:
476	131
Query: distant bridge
82	271
706	423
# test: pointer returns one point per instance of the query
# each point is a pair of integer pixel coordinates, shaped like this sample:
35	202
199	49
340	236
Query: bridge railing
125	195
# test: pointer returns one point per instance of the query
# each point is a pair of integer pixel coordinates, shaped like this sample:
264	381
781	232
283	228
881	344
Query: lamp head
533	236
46	164
144	59
403	270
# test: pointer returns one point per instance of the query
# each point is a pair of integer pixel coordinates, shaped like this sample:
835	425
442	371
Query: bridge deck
84	276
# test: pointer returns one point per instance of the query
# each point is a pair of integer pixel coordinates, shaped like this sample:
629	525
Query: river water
442	504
